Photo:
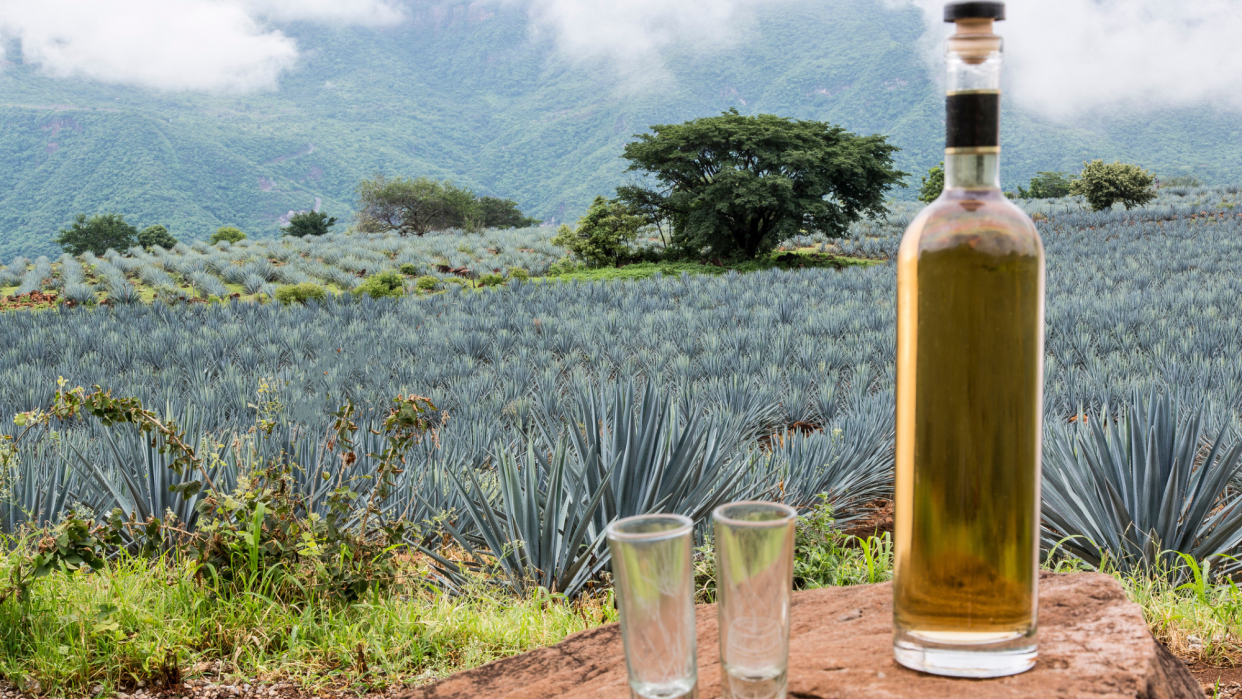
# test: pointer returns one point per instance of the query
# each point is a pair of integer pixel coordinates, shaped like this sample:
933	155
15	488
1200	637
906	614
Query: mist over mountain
525	99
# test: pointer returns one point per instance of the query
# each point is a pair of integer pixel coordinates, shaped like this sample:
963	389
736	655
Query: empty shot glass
654	583
754	583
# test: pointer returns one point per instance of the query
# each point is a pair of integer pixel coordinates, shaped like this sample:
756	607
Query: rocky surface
1093	643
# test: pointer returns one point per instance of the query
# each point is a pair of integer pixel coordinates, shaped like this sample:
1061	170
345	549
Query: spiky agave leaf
657	463
1134	491
540	530
851	460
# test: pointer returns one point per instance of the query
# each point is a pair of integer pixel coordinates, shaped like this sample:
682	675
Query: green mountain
466	91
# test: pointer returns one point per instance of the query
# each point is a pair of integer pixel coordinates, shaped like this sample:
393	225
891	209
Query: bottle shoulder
983	220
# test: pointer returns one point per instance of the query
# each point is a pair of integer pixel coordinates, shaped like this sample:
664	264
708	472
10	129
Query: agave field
576	402
251	268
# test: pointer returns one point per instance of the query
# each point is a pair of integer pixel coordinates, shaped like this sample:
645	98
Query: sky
1062	56
1068	56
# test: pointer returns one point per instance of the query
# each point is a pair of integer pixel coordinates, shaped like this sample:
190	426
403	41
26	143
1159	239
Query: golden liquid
970	326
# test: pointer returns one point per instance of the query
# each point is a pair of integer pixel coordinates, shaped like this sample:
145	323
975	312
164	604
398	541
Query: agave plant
81	294
541	529
253	284
850	461
120	291
39	489
1137	490
647	459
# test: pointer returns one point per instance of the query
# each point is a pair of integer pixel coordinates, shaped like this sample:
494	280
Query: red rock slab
1093	643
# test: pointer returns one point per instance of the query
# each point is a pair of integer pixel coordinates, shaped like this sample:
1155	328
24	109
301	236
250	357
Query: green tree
415	206
504	213
228	234
97	234
156	235
603	235
741	184
1048	185
1104	184
305	223
933	184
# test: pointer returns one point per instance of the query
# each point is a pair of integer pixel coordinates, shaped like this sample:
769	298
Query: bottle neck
972	171
972	109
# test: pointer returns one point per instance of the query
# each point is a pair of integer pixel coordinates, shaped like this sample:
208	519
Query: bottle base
978	655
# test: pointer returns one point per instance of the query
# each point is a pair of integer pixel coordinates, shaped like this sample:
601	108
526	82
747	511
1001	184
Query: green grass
123	624
806	258
118	626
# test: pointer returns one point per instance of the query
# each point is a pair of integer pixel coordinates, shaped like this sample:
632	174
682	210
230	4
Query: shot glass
754	583
654	583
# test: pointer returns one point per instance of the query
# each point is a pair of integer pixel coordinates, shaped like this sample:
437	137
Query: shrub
301	293
156	235
491	280
1104	184
427	283
603	236
519	274
409	268
227	234
383	285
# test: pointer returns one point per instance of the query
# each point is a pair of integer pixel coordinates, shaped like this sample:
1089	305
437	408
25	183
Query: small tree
1104	184
603	235
156	235
740	184
228	234
504	213
1048	185
305	223
97	234
415	206
933	184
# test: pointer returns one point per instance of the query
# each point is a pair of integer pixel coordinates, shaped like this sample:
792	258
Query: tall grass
125	624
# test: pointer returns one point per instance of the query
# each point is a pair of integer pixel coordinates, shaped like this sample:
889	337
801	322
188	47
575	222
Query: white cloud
1067	56
174	44
370	13
634	32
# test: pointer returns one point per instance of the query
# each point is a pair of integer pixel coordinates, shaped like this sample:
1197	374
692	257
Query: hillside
464	91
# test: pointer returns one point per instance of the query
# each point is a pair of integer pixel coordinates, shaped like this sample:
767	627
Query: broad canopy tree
741	184
305	223
417	206
97	234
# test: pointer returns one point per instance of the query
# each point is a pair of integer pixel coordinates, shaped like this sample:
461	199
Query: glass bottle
970	339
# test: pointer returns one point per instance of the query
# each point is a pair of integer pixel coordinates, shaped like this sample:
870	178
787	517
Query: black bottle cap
974	10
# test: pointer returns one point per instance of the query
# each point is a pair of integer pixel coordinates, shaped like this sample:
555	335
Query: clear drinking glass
654	582
754	582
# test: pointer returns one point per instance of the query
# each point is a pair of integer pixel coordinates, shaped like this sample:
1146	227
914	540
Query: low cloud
633	33
371	13
1068	56
203	45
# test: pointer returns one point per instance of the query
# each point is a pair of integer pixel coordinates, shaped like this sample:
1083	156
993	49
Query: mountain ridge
466	91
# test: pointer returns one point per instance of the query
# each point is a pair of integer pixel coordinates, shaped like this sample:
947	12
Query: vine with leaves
262	530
